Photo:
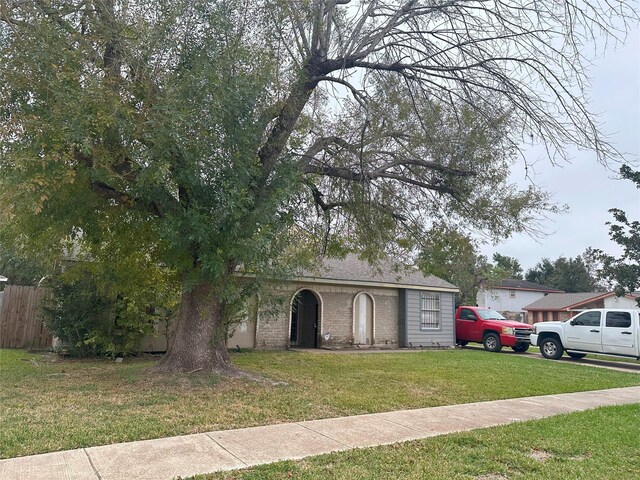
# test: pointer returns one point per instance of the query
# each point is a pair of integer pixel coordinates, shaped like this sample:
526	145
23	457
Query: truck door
618	333
467	326
584	332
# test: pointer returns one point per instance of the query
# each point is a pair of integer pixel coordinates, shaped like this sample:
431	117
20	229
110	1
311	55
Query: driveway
600	362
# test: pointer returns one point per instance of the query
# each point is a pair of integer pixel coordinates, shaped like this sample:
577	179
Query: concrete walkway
166	458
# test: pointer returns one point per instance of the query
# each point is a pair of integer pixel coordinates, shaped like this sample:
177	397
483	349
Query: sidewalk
166	458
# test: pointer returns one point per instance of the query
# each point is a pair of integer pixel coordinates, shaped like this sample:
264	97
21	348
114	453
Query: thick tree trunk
199	343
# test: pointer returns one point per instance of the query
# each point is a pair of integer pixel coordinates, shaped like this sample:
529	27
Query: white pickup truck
603	331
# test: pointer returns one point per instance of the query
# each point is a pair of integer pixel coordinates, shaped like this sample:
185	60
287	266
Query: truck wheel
491	342
551	348
520	347
462	343
576	355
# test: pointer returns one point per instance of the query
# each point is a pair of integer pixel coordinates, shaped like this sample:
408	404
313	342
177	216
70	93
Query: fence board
21	320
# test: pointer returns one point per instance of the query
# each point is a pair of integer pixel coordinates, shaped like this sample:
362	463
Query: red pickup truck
486	326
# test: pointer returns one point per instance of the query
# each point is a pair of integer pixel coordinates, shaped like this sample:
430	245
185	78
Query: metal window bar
430	310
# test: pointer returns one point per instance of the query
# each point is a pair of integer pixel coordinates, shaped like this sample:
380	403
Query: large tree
453	255
509	266
622	272
212	133
568	274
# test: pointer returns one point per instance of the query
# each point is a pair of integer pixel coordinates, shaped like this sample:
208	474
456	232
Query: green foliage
510	267
106	309
172	155
453	256
20	270
78	315
207	137
457	173
569	275
624	271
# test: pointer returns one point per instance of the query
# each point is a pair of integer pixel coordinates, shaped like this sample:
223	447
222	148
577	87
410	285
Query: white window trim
439	310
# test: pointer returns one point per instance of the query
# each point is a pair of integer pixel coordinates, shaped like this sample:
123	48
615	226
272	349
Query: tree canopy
509	266
622	272
224	137
568	274
453	256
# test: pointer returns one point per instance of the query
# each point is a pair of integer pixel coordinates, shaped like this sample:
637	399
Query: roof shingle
512	283
352	269
559	301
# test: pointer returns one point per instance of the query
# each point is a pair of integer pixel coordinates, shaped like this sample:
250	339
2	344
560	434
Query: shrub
93	314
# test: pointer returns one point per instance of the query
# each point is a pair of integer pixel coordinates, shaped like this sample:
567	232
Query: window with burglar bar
429	310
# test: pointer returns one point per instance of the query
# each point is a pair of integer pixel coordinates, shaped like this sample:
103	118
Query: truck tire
551	348
462	343
520	347
491	342
576	354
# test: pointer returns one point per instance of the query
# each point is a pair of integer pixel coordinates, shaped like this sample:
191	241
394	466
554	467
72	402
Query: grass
605	358
595	444
594	356
48	404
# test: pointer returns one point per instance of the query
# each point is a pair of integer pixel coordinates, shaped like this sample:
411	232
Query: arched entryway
363	319
305	320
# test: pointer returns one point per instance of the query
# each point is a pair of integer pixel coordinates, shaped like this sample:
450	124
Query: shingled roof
515	284
563	301
352	270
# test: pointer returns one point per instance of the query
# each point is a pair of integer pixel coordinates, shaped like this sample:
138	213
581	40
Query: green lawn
48	404
604	358
595	444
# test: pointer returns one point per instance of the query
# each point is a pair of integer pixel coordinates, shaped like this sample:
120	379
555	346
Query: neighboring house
510	297
350	303
562	306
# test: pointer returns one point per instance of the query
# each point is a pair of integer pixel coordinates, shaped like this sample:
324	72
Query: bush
92	315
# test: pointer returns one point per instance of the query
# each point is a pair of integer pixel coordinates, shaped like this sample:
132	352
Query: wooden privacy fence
21	319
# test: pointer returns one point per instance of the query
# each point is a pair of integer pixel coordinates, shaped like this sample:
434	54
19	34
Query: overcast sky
586	187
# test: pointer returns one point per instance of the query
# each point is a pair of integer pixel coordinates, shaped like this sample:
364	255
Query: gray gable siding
413	335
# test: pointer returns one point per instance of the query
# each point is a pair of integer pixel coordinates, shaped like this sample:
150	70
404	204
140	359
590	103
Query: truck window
618	319
587	319
488	314
466	314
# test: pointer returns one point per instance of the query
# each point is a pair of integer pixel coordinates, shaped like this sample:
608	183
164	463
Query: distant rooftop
514	284
352	269
561	301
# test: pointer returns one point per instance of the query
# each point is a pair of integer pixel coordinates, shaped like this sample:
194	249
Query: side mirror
472	317
572	323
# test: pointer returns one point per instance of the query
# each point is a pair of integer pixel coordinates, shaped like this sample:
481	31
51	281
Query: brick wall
335	316
539	316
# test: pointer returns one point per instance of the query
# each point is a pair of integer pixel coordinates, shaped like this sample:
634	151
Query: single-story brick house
350	303
563	306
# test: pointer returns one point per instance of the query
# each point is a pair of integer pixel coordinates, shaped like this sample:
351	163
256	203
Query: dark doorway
304	320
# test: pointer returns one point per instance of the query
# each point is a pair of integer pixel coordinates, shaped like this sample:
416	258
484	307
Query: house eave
364	283
523	289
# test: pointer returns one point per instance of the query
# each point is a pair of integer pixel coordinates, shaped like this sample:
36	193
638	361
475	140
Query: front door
585	332
363	320
618	333
304	320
